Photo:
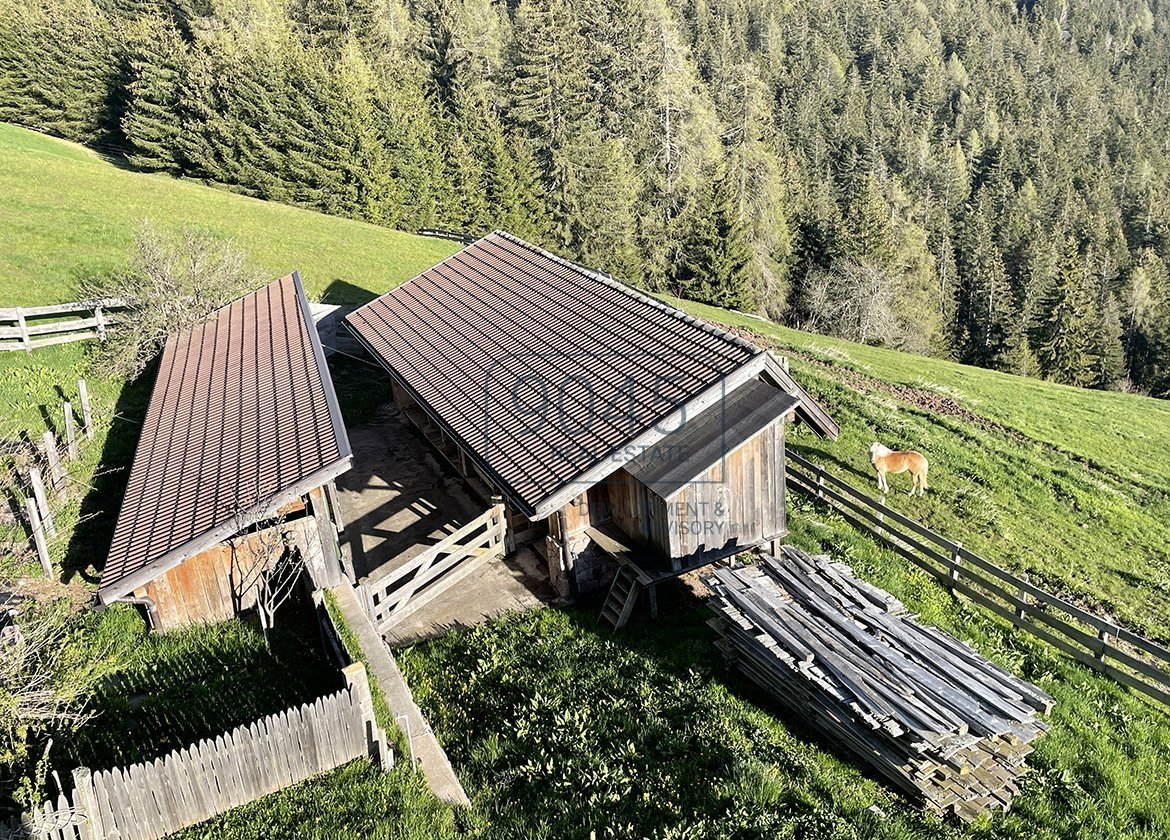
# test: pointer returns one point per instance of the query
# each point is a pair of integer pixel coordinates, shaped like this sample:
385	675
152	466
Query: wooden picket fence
1103	645
391	596
151	800
28	327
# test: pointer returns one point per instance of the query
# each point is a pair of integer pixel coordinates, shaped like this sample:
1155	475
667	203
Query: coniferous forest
984	180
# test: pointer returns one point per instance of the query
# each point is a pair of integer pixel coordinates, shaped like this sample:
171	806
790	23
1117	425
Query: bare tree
171	283
853	300
266	560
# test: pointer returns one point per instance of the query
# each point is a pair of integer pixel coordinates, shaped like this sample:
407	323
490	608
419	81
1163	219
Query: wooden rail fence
1095	641
392	596
151	800
27	327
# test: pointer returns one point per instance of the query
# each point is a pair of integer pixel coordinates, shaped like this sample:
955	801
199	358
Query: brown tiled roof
545	372
242	418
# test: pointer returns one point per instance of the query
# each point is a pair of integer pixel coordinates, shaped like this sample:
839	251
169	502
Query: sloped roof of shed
242	419
549	375
701	442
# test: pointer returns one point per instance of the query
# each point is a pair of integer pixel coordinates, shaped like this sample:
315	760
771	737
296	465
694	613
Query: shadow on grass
90	541
341	292
198	682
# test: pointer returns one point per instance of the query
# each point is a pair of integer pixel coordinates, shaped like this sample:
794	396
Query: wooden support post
652	594
1024	600
881	515
86	411
53	458
85	800
784	363
70	430
100	318
1105	636
820	481
38	487
956	563
22	325
38	535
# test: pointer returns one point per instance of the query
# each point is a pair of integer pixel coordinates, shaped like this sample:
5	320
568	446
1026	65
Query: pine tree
983	300
1066	337
713	266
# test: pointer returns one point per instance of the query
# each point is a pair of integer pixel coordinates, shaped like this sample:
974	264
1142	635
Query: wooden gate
392	596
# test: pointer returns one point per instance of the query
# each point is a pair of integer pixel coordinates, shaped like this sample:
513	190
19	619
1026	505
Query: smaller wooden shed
234	469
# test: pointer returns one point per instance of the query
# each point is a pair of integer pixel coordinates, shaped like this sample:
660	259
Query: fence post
38	535
38	487
820	481
1024	596
100	318
86	412
358	683
70	430
1104	636
22	325
85	799
956	563
881	514
56	474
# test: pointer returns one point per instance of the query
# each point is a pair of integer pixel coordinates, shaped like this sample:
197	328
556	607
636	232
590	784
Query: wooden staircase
623	596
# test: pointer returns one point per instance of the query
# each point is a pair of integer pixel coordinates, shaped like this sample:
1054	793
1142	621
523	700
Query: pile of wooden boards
924	709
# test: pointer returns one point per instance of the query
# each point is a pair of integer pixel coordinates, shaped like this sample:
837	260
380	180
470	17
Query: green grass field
66	213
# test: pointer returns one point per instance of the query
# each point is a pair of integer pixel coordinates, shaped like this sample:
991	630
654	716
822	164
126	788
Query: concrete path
429	755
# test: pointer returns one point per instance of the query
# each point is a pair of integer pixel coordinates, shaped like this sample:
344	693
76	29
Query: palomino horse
887	461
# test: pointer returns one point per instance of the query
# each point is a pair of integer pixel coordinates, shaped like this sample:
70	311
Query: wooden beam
38	535
70	430
86	411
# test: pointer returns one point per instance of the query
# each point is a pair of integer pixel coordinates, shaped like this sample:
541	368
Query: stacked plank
925	710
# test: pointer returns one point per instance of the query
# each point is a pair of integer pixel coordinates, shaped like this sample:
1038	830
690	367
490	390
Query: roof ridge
613	282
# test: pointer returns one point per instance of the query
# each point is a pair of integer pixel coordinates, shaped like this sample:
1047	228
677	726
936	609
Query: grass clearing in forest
67	212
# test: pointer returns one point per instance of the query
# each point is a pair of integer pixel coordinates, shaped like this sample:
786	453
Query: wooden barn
230	491
613	426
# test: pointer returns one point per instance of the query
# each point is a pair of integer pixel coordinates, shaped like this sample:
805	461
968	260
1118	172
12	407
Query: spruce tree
1065	345
713	265
152	122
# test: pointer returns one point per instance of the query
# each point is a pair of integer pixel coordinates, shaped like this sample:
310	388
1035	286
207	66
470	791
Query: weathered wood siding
737	501
639	513
220	582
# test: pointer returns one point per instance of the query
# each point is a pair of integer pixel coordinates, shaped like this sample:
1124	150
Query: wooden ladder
623	595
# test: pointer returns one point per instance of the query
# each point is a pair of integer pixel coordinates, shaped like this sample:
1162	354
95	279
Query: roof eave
810	411
611	463
123	586
331	403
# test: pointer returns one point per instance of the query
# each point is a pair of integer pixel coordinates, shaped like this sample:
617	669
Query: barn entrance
420	537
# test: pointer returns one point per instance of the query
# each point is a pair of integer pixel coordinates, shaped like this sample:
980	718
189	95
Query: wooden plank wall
739	500
220	582
151	800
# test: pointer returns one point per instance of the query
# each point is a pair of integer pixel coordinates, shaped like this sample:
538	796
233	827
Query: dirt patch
920	398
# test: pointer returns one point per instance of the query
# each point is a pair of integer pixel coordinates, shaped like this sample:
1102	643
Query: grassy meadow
67	212
1068	485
